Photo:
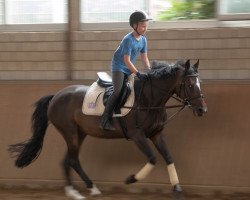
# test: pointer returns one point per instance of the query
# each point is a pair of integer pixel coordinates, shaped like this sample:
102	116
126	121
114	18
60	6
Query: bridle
186	100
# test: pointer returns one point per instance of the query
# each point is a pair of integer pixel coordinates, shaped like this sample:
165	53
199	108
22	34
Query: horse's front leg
161	146
142	143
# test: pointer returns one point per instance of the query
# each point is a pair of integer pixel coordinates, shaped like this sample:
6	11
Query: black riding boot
106	120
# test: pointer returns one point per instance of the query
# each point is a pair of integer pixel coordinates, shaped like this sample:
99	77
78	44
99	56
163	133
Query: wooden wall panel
223	52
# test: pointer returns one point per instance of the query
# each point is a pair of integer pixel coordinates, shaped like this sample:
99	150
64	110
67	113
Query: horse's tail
29	150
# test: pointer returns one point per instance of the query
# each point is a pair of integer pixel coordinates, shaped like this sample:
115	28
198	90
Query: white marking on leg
72	193
94	191
173	174
144	171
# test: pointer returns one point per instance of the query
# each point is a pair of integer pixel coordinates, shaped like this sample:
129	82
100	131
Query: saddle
105	81
98	93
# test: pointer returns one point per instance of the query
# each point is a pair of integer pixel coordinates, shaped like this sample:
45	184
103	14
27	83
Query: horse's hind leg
74	140
161	146
67	162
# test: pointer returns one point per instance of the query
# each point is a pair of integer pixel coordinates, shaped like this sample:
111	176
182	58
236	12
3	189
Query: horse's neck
154	93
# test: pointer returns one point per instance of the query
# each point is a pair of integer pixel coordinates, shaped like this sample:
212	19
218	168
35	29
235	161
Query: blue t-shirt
131	47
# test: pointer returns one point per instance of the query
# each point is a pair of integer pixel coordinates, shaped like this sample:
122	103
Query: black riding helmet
138	16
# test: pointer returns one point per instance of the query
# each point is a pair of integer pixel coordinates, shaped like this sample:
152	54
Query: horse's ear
196	65
187	65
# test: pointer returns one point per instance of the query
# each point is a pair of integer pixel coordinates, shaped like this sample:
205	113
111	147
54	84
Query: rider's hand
142	76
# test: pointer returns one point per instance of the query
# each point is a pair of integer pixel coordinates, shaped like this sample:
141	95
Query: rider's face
142	27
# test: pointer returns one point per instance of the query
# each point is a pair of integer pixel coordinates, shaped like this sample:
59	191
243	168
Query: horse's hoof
178	193
94	191
131	179
177	188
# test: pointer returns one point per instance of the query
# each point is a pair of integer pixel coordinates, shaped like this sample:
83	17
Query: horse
144	122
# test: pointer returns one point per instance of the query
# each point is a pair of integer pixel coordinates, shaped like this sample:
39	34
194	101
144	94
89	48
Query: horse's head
188	87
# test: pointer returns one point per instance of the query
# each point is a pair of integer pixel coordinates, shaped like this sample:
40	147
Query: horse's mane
164	69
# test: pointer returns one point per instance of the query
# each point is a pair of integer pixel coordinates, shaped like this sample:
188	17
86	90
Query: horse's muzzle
200	111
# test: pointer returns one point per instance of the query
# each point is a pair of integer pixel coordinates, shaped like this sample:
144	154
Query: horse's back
66	101
72	89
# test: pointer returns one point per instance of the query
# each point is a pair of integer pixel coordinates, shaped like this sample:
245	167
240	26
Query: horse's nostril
203	110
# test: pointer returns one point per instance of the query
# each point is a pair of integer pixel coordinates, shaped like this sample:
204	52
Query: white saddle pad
93	100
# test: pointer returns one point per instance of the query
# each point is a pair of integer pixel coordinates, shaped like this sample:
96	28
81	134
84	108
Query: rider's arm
129	64
144	59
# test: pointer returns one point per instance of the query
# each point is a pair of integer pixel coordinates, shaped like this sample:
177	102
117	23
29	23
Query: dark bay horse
144	122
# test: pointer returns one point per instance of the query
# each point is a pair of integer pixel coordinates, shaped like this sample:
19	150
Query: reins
184	104
182	107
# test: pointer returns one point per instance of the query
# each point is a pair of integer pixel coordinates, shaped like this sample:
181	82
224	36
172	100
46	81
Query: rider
123	62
